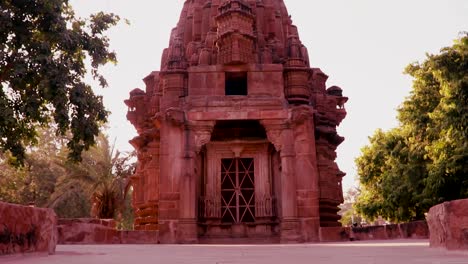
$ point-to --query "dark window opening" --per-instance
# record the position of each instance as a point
(238, 130)
(236, 83)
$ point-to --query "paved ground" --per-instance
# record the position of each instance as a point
(375, 252)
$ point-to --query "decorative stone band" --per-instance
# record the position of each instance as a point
(210, 207)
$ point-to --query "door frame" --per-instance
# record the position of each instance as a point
(258, 150)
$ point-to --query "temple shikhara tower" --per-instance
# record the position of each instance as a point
(237, 132)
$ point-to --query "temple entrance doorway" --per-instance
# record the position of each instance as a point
(237, 190)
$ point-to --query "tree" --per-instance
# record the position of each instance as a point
(448, 151)
(391, 178)
(405, 171)
(97, 186)
(103, 177)
(43, 52)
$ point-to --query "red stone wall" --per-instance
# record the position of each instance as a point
(412, 230)
(448, 224)
(100, 231)
(27, 229)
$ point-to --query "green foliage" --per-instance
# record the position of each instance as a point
(423, 162)
(43, 50)
(390, 174)
(97, 186)
(102, 176)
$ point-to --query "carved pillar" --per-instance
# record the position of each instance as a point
(196, 134)
(308, 179)
(281, 135)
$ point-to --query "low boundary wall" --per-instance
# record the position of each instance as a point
(100, 231)
(412, 230)
(26, 229)
(448, 223)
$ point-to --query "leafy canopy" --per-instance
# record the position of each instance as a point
(98, 186)
(44, 48)
(423, 162)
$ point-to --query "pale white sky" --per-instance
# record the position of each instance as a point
(363, 45)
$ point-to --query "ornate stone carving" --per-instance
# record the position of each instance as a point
(202, 133)
(274, 131)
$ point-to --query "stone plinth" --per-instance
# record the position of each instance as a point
(334, 234)
(87, 231)
(100, 231)
(448, 225)
(27, 229)
(412, 230)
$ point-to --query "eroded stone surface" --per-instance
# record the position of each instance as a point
(27, 229)
(237, 132)
(448, 225)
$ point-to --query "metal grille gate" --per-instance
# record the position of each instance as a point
(237, 190)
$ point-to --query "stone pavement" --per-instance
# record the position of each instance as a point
(367, 252)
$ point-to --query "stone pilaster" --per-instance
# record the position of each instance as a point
(196, 135)
(307, 174)
(171, 161)
(281, 135)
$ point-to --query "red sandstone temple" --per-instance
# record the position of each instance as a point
(236, 133)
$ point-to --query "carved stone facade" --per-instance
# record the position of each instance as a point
(237, 133)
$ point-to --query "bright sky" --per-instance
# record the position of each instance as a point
(363, 45)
